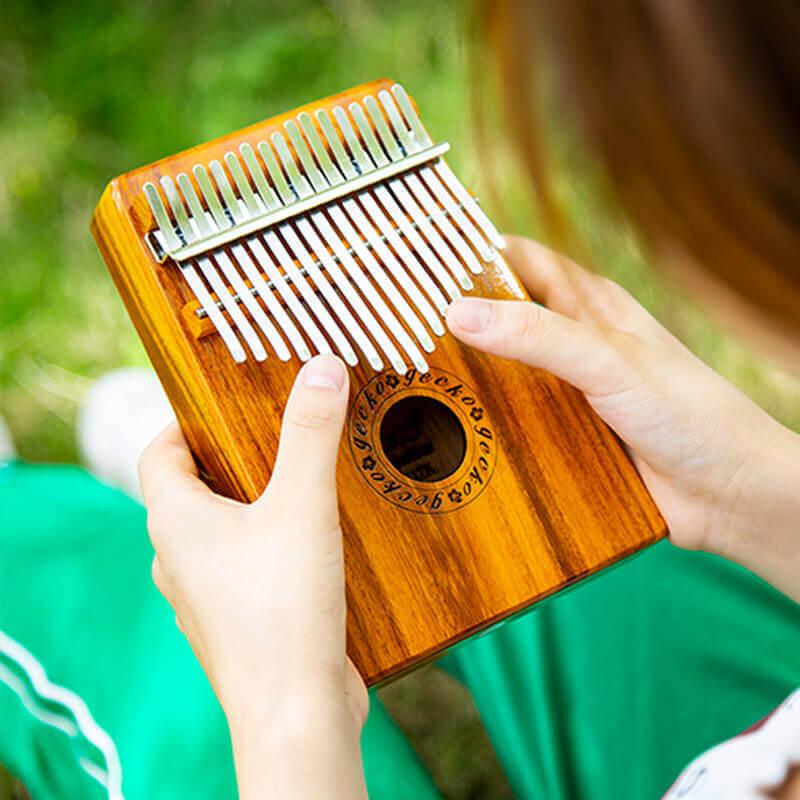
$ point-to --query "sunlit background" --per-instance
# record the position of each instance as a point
(91, 89)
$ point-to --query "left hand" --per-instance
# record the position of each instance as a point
(258, 591)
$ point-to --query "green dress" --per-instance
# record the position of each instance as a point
(604, 692)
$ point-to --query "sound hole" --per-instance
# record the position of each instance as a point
(423, 439)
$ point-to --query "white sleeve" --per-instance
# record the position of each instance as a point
(749, 766)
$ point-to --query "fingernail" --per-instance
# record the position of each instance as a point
(470, 314)
(324, 372)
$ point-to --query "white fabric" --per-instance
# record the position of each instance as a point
(749, 767)
(123, 412)
(60, 708)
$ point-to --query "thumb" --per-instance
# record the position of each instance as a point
(305, 468)
(584, 355)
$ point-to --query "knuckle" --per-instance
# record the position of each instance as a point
(312, 416)
(628, 364)
(612, 292)
(625, 348)
(527, 321)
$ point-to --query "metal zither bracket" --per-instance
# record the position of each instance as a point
(269, 218)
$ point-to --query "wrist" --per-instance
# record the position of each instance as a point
(300, 746)
(763, 530)
(289, 715)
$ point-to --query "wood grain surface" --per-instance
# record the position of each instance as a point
(545, 496)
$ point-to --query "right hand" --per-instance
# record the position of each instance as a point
(719, 467)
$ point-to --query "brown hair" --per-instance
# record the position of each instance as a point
(694, 109)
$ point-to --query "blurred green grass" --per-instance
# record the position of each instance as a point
(90, 90)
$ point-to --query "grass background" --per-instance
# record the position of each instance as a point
(89, 89)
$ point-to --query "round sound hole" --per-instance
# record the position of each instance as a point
(423, 439)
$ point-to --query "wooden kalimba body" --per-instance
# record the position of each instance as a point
(470, 487)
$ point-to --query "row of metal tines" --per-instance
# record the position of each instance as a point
(367, 237)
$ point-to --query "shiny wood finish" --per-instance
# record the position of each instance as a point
(545, 496)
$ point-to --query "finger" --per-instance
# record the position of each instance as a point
(551, 278)
(167, 467)
(312, 427)
(584, 355)
(577, 293)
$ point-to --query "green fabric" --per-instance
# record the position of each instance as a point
(611, 689)
(607, 691)
(75, 592)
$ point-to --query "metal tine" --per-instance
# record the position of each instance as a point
(266, 262)
(330, 170)
(265, 191)
(320, 182)
(335, 142)
(242, 184)
(161, 216)
(221, 219)
(225, 331)
(312, 173)
(332, 175)
(239, 320)
(389, 142)
(262, 289)
(236, 281)
(175, 201)
(444, 224)
(297, 181)
(385, 255)
(411, 117)
(195, 206)
(379, 272)
(434, 183)
(285, 194)
(192, 279)
(310, 297)
(362, 161)
(230, 203)
(398, 272)
(279, 251)
(355, 271)
(365, 129)
(388, 231)
(432, 180)
(211, 274)
(329, 293)
(446, 174)
(470, 203)
(422, 221)
(407, 139)
(378, 216)
(420, 245)
(353, 297)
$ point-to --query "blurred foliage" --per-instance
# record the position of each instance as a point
(89, 90)
(92, 89)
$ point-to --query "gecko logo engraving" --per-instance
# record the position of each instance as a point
(423, 441)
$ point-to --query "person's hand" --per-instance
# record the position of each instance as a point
(725, 475)
(258, 591)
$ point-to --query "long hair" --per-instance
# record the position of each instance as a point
(693, 107)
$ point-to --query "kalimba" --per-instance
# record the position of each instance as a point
(470, 487)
